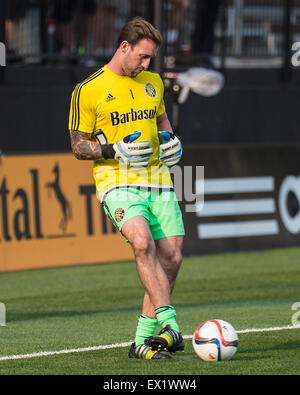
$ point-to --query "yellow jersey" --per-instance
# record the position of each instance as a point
(119, 106)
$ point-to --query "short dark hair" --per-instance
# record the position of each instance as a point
(137, 29)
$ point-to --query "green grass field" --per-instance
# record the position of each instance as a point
(84, 306)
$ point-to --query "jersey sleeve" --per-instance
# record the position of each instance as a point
(82, 113)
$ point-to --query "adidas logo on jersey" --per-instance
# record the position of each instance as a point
(110, 98)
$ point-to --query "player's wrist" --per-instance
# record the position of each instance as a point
(108, 151)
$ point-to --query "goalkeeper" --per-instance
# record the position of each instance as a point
(118, 119)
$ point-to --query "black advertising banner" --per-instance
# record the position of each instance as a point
(248, 197)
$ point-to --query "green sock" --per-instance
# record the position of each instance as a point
(146, 328)
(166, 316)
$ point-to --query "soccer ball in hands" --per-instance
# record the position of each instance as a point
(215, 340)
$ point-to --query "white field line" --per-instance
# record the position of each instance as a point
(127, 344)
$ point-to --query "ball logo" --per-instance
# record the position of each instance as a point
(225, 329)
(150, 90)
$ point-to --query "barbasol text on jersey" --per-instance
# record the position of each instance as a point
(132, 116)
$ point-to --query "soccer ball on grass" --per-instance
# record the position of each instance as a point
(215, 340)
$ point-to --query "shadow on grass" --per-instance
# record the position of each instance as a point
(35, 315)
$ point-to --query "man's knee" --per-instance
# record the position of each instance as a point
(143, 244)
(172, 256)
(171, 262)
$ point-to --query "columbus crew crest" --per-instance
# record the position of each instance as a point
(150, 90)
(119, 214)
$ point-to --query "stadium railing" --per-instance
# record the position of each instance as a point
(86, 31)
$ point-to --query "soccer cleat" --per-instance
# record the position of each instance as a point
(167, 339)
(144, 352)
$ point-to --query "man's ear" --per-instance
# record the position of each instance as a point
(124, 46)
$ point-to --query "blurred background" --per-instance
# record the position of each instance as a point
(53, 44)
(86, 30)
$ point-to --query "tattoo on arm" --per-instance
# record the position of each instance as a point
(83, 147)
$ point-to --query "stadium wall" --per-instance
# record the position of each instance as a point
(255, 106)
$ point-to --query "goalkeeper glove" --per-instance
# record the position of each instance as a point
(127, 152)
(170, 150)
